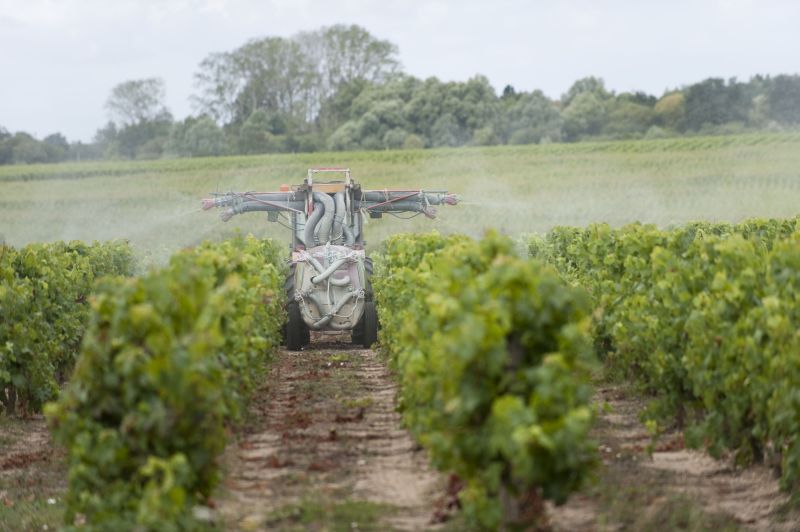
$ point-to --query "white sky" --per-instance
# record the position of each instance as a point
(59, 59)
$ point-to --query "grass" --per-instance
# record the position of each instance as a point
(633, 508)
(31, 514)
(155, 204)
(325, 514)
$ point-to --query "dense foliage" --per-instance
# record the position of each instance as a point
(705, 318)
(168, 360)
(341, 88)
(491, 352)
(43, 292)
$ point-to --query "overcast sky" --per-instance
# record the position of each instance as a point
(59, 59)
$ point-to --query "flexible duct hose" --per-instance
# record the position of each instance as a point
(344, 281)
(327, 273)
(327, 218)
(311, 223)
(252, 206)
(338, 217)
(315, 263)
(323, 321)
(349, 237)
(357, 226)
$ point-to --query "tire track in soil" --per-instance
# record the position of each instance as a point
(750, 498)
(325, 426)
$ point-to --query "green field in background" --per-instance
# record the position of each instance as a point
(155, 204)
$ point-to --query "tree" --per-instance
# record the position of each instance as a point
(670, 110)
(257, 135)
(345, 137)
(532, 118)
(783, 98)
(638, 97)
(627, 118)
(395, 138)
(196, 137)
(584, 116)
(477, 105)
(485, 136)
(509, 93)
(715, 102)
(105, 139)
(590, 85)
(449, 113)
(294, 77)
(336, 109)
(143, 140)
(346, 54)
(142, 121)
(5, 146)
(137, 101)
(377, 115)
(446, 132)
(272, 74)
(56, 146)
(27, 150)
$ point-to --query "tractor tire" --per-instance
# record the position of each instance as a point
(368, 268)
(370, 324)
(296, 331)
(357, 333)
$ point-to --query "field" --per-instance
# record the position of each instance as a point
(516, 190)
(492, 357)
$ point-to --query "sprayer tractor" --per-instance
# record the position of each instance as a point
(328, 285)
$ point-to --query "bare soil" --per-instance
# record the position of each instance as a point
(32, 476)
(324, 449)
(325, 444)
(672, 488)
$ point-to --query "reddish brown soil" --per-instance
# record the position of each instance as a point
(326, 427)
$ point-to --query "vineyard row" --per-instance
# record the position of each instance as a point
(168, 362)
(705, 318)
(492, 353)
(492, 356)
(43, 304)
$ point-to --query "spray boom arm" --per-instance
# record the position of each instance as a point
(371, 201)
(329, 211)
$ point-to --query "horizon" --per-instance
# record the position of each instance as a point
(86, 48)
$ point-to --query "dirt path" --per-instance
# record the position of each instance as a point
(32, 476)
(674, 489)
(325, 450)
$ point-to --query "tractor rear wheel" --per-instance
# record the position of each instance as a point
(369, 323)
(357, 333)
(296, 331)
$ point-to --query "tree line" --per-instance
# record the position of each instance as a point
(341, 88)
